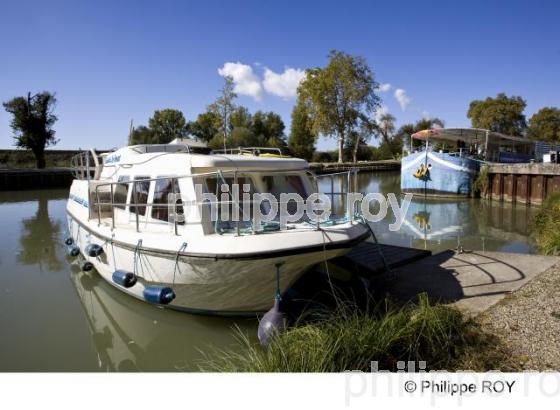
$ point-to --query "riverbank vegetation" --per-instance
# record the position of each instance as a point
(545, 226)
(350, 339)
(482, 182)
(24, 159)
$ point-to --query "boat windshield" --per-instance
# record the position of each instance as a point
(227, 212)
(276, 185)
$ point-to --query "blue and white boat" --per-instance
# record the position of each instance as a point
(449, 159)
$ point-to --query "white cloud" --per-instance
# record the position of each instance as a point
(383, 87)
(246, 82)
(402, 98)
(380, 112)
(283, 84)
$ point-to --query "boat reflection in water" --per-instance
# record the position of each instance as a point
(439, 224)
(129, 335)
(468, 225)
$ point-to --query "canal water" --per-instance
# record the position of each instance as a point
(53, 317)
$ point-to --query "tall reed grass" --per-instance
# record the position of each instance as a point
(350, 339)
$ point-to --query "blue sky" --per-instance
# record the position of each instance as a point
(109, 62)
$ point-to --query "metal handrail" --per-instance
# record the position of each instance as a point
(235, 201)
(82, 167)
(352, 172)
(247, 150)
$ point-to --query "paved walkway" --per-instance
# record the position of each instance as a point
(473, 281)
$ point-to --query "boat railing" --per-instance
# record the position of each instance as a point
(86, 165)
(102, 198)
(249, 150)
(348, 183)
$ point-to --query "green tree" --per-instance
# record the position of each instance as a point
(337, 94)
(391, 144)
(258, 127)
(360, 135)
(302, 135)
(385, 126)
(501, 114)
(166, 125)
(274, 127)
(545, 125)
(357, 148)
(240, 128)
(268, 129)
(242, 137)
(207, 125)
(32, 123)
(141, 135)
(240, 118)
(217, 141)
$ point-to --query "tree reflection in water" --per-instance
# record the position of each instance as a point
(39, 239)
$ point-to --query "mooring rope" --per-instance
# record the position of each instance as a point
(78, 235)
(136, 250)
(378, 245)
(325, 261)
(181, 249)
(113, 251)
(278, 265)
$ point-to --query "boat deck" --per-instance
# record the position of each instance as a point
(365, 259)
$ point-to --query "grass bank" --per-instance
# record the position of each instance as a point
(348, 339)
(14, 159)
(545, 226)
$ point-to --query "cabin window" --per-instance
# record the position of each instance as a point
(226, 222)
(277, 184)
(139, 197)
(160, 205)
(287, 184)
(121, 192)
(214, 184)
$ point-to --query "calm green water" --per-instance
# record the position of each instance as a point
(55, 318)
(439, 225)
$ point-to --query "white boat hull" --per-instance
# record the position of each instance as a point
(206, 285)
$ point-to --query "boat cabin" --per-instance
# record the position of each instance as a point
(480, 144)
(176, 187)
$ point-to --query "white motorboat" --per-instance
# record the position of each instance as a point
(125, 220)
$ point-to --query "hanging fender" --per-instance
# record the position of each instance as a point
(93, 250)
(73, 250)
(158, 294)
(124, 278)
(86, 266)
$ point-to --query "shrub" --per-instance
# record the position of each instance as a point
(481, 183)
(545, 226)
